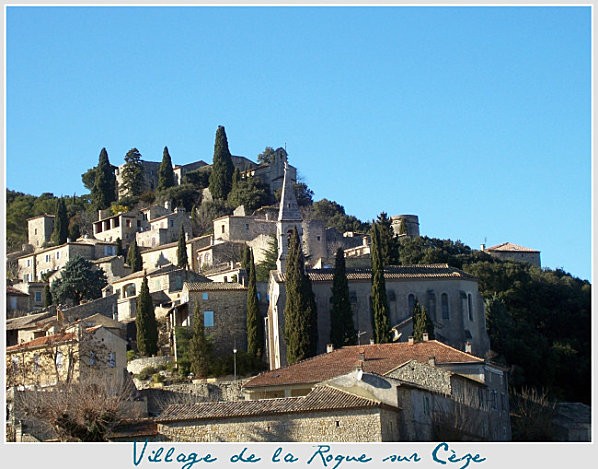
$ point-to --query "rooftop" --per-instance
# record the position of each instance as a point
(510, 247)
(379, 359)
(321, 398)
(213, 286)
(432, 271)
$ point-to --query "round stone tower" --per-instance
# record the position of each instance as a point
(405, 225)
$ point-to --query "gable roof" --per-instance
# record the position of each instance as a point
(46, 340)
(10, 290)
(510, 247)
(432, 271)
(321, 398)
(30, 320)
(379, 359)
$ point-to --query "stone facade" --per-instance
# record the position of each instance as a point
(514, 253)
(167, 253)
(223, 307)
(40, 230)
(451, 299)
(122, 226)
(164, 229)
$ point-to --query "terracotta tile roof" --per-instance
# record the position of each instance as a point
(10, 290)
(47, 340)
(510, 247)
(320, 399)
(379, 358)
(213, 286)
(390, 272)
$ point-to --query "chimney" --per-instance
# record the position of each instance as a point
(329, 348)
(425, 336)
(468, 347)
(432, 361)
(482, 247)
(410, 342)
(372, 342)
(362, 355)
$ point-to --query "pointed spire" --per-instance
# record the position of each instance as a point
(289, 209)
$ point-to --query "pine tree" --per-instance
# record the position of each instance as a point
(379, 302)
(132, 174)
(255, 325)
(165, 172)
(103, 192)
(299, 311)
(145, 320)
(421, 323)
(134, 257)
(199, 347)
(342, 329)
(181, 251)
(79, 281)
(222, 167)
(61, 223)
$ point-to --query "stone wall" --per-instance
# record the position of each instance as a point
(333, 426)
(424, 375)
(105, 305)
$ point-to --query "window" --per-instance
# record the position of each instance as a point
(204, 296)
(58, 255)
(410, 303)
(208, 319)
(470, 306)
(38, 296)
(35, 231)
(111, 359)
(128, 223)
(58, 360)
(28, 262)
(432, 305)
(223, 229)
(444, 304)
(318, 238)
(47, 257)
(171, 223)
(246, 226)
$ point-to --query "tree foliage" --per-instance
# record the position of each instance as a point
(132, 174)
(342, 328)
(249, 192)
(267, 156)
(379, 301)
(165, 172)
(203, 216)
(421, 323)
(299, 310)
(61, 224)
(134, 259)
(103, 190)
(333, 215)
(255, 324)
(79, 281)
(222, 167)
(389, 242)
(200, 348)
(181, 252)
(145, 320)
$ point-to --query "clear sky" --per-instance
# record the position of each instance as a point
(476, 119)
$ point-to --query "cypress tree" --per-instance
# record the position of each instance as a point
(145, 320)
(246, 258)
(119, 247)
(132, 174)
(181, 250)
(61, 223)
(299, 311)
(47, 296)
(389, 243)
(342, 329)
(134, 257)
(222, 167)
(199, 347)
(165, 172)
(379, 302)
(103, 192)
(421, 323)
(255, 326)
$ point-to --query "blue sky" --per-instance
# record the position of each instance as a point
(476, 119)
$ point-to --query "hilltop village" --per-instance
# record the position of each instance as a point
(185, 321)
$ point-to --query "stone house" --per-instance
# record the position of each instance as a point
(16, 301)
(434, 384)
(111, 227)
(223, 309)
(513, 252)
(168, 253)
(40, 229)
(34, 292)
(327, 413)
(165, 284)
(164, 228)
(32, 266)
(450, 296)
(113, 266)
(72, 354)
(25, 328)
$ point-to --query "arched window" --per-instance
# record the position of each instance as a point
(470, 306)
(411, 303)
(444, 304)
(129, 290)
